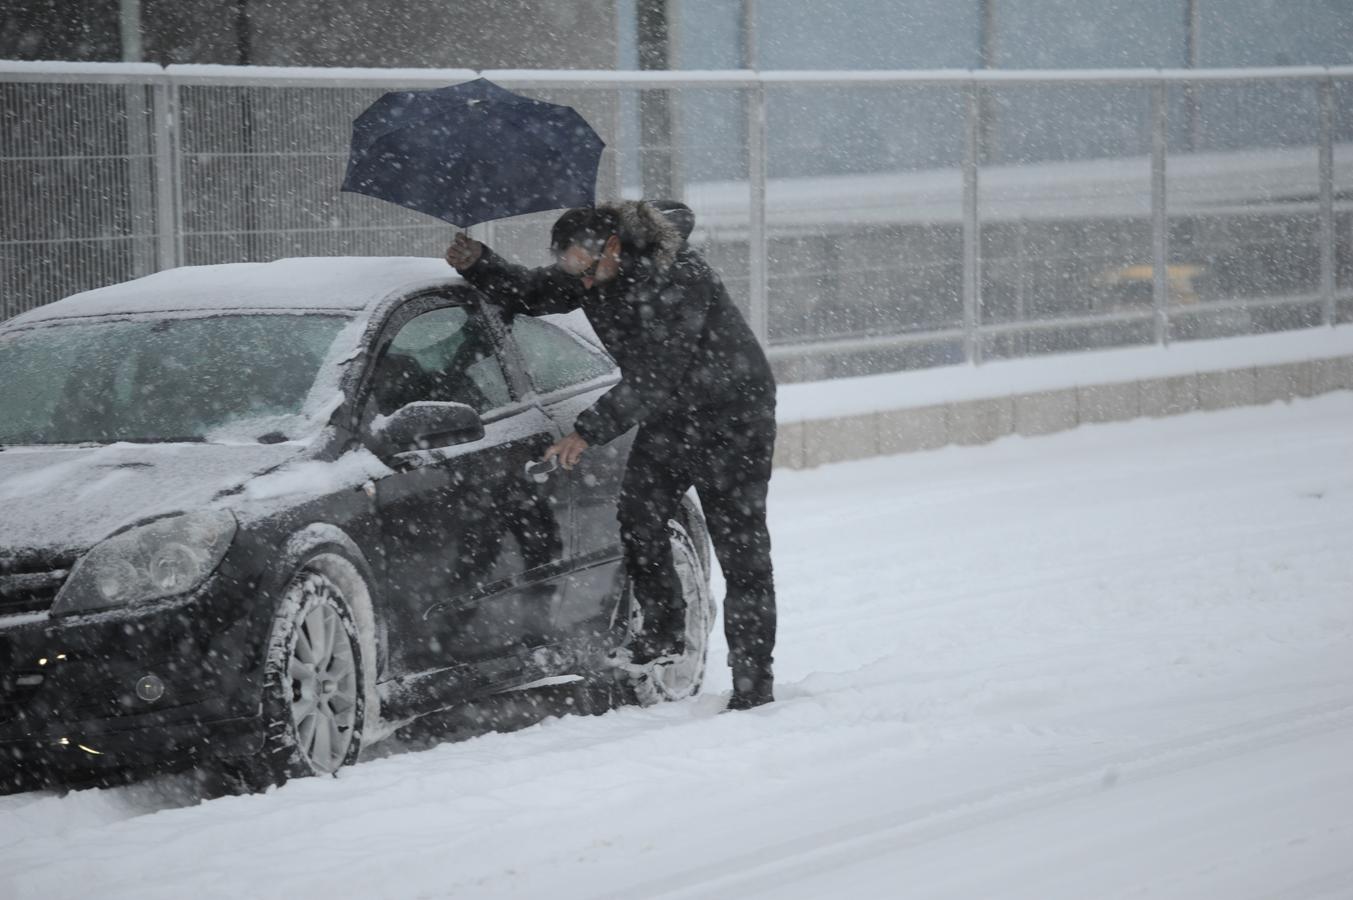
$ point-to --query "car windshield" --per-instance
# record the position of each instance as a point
(226, 378)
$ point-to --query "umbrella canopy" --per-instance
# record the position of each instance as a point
(472, 153)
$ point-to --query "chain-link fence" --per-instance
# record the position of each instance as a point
(865, 221)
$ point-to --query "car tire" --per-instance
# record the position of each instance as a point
(314, 691)
(681, 679)
(693, 520)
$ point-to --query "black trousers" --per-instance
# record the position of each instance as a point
(728, 461)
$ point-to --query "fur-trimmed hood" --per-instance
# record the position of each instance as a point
(645, 232)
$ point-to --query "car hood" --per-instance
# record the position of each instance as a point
(62, 499)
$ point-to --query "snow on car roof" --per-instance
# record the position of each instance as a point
(340, 282)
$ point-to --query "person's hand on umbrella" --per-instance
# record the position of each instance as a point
(464, 252)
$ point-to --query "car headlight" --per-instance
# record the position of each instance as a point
(166, 557)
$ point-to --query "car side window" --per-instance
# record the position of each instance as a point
(554, 359)
(444, 355)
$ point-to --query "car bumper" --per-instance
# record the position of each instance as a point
(68, 685)
(133, 742)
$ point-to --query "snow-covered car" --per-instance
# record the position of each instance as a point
(263, 514)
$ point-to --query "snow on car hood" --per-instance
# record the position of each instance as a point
(71, 498)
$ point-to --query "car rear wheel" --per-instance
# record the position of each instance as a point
(693, 520)
(682, 678)
(314, 696)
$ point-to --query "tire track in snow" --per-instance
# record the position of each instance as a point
(1331, 886)
(784, 863)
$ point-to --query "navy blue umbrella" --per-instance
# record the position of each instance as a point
(473, 152)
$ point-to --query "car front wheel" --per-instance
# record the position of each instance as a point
(314, 701)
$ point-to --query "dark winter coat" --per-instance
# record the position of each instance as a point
(683, 348)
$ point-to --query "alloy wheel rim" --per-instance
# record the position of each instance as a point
(323, 675)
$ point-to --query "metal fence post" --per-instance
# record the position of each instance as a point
(140, 180)
(1160, 224)
(757, 249)
(168, 195)
(972, 257)
(1327, 199)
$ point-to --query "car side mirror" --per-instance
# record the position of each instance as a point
(426, 425)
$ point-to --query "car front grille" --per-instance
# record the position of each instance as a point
(29, 582)
(26, 592)
(15, 690)
(18, 683)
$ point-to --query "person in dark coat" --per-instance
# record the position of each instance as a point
(695, 382)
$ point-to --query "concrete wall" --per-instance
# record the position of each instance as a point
(817, 441)
(476, 34)
(473, 34)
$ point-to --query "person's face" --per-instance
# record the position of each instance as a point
(592, 268)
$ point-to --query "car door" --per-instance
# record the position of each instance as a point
(475, 547)
(568, 374)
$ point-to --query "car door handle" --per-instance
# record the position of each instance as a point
(541, 471)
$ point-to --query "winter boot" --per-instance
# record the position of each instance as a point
(665, 641)
(645, 649)
(753, 684)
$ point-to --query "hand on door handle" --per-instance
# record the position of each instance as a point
(569, 449)
(540, 471)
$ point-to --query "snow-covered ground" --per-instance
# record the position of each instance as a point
(1115, 662)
